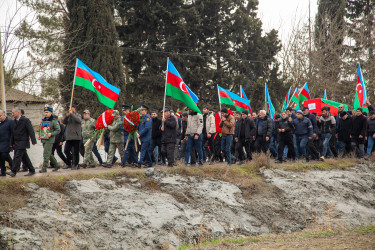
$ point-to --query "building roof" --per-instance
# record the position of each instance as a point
(15, 95)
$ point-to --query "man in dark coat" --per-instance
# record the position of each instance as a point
(6, 129)
(156, 137)
(243, 136)
(168, 136)
(285, 134)
(263, 132)
(343, 133)
(20, 140)
(358, 132)
(311, 149)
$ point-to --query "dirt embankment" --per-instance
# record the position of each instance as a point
(164, 210)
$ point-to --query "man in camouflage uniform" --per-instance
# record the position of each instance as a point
(88, 129)
(116, 138)
(54, 130)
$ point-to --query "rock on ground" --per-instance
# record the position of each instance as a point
(98, 214)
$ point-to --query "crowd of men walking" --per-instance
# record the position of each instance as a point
(193, 137)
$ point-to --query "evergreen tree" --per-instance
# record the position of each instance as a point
(209, 41)
(91, 37)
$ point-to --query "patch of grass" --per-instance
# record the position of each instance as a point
(14, 194)
(318, 165)
(224, 241)
(364, 230)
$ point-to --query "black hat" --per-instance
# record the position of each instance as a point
(224, 110)
(74, 106)
(125, 107)
(277, 116)
(343, 113)
(304, 108)
(360, 109)
(372, 112)
(245, 112)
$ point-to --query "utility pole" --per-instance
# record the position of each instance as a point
(2, 79)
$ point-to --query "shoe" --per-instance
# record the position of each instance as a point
(31, 173)
(56, 168)
(83, 165)
(321, 158)
(147, 165)
(23, 170)
(74, 167)
(91, 166)
(108, 165)
(11, 173)
(239, 163)
(67, 166)
(43, 170)
(3, 174)
(139, 165)
(305, 160)
(278, 161)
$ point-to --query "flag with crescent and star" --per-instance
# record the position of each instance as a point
(360, 92)
(89, 79)
(176, 88)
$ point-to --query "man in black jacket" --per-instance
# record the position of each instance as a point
(312, 152)
(20, 140)
(263, 132)
(358, 132)
(343, 133)
(245, 130)
(168, 136)
(285, 129)
(156, 137)
(6, 130)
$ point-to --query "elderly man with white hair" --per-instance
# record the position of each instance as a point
(6, 127)
(20, 141)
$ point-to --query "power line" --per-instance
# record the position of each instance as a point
(139, 49)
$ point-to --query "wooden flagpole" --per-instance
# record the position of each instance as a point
(74, 79)
(165, 89)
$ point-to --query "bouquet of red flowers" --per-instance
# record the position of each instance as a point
(131, 121)
(105, 119)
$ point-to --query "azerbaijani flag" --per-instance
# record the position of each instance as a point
(176, 88)
(242, 93)
(295, 99)
(361, 93)
(89, 79)
(286, 100)
(243, 96)
(229, 98)
(271, 108)
(305, 94)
